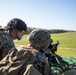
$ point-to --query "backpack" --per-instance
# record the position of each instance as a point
(14, 61)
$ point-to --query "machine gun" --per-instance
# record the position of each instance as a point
(57, 61)
(54, 59)
(53, 47)
(52, 56)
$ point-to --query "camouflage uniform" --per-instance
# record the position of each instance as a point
(6, 40)
(41, 64)
(6, 43)
(18, 60)
(41, 39)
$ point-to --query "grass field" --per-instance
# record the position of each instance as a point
(67, 46)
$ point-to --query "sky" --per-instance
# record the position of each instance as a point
(47, 14)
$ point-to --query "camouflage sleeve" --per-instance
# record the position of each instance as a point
(0, 42)
(41, 63)
(6, 43)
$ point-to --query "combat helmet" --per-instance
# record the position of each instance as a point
(16, 23)
(39, 38)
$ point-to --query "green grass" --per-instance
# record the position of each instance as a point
(67, 53)
(67, 46)
(67, 40)
(23, 41)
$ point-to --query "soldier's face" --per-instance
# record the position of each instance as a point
(19, 35)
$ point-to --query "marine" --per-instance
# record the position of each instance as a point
(29, 60)
(13, 30)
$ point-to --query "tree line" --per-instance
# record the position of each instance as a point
(51, 31)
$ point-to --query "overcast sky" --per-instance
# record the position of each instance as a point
(48, 14)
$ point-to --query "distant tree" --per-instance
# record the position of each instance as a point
(52, 31)
(57, 31)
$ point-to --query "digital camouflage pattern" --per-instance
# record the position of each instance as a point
(41, 63)
(17, 61)
(6, 43)
(40, 38)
